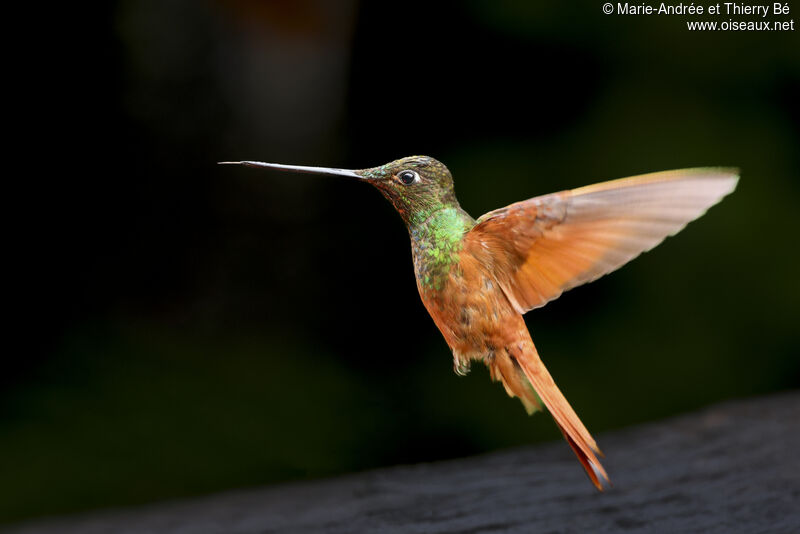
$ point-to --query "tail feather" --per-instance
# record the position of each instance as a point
(593, 469)
(544, 390)
(505, 368)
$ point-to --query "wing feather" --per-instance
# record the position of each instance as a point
(546, 245)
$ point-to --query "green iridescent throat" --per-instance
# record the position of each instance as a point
(436, 240)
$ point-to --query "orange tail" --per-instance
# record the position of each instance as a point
(525, 358)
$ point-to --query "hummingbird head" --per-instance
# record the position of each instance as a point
(417, 186)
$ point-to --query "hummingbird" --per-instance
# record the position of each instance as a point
(477, 278)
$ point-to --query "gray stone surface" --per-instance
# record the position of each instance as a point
(733, 467)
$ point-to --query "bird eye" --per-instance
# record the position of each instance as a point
(408, 177)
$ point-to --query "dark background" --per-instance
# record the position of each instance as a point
(186, 328)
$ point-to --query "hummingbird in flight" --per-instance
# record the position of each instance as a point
(478, 277)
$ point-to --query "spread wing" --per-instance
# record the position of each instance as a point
(541, 247)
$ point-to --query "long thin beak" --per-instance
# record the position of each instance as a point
(329, 171)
